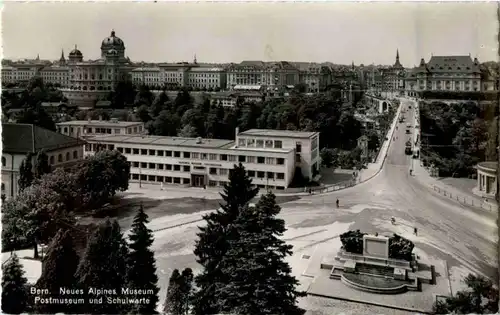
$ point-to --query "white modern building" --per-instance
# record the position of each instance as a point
(90, 128)
(269, 157)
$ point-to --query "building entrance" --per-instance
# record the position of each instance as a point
(198, 180)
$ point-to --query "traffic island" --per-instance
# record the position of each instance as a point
(380, 270)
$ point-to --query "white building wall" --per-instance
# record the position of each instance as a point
(304, 159)
(213, 160)
(10, 170)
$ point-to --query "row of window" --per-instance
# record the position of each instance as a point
(60, 158)
(186, 181)
(189, 155)
(100, 130)
(211, 170)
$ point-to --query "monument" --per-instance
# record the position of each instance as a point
(378, 264)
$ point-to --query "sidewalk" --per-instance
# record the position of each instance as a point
(373, 169)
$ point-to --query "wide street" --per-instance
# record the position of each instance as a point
(465, 238)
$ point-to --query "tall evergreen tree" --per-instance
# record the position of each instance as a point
(103, 266)
(59, 267)
(186, 288)
(174, 299)
(26, 172)
(142, 265)
(257, 279)
(14, 291)
(41, 164)
(213, 238)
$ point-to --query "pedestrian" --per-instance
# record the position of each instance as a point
(415, 231)
(161, 186)
(337, 202)
(310, 191)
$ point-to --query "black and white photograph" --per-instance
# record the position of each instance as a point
(250, 157)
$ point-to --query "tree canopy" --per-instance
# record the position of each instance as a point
(212, 243)
(142, 264)
(481, 297)
(14, 287)
(456, 137)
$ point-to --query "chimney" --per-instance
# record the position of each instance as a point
(236, 132)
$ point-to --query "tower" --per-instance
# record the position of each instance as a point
(62, 60)
(397, 64)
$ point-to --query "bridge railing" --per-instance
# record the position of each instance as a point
(465, 200)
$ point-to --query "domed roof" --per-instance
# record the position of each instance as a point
(112, 41)
(75, 52)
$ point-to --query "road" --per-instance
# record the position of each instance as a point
(465, 238)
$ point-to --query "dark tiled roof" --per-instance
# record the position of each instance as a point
(459, 64)
(24, 138)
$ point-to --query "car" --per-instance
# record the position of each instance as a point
(407, 131)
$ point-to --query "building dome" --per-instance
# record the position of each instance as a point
(112, 41)
(75, 52)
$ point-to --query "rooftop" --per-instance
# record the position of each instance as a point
(99, 123)
(24, 138)
(166, 141)
(278, 133)
(206, 69)
(489, 165)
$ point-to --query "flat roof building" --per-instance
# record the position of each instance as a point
(206, 162)
(90, 128)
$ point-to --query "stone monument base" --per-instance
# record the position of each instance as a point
(378, 275)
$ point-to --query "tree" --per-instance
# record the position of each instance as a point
(26, 172)
(188, 131)
(174, 299)
(257, 279)
(102, 175)
(36, 116)
(179, 292)
(142, 268)
(14, 292)
(59, 267)
(327, 157)
(37, 214)
(187, 288)
(212, 242)
(41, 164)
(103, 266)
(480, 298)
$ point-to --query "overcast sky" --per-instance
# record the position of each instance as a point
(231, 32)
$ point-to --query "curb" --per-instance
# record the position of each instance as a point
(176, 225)
(394, 307)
